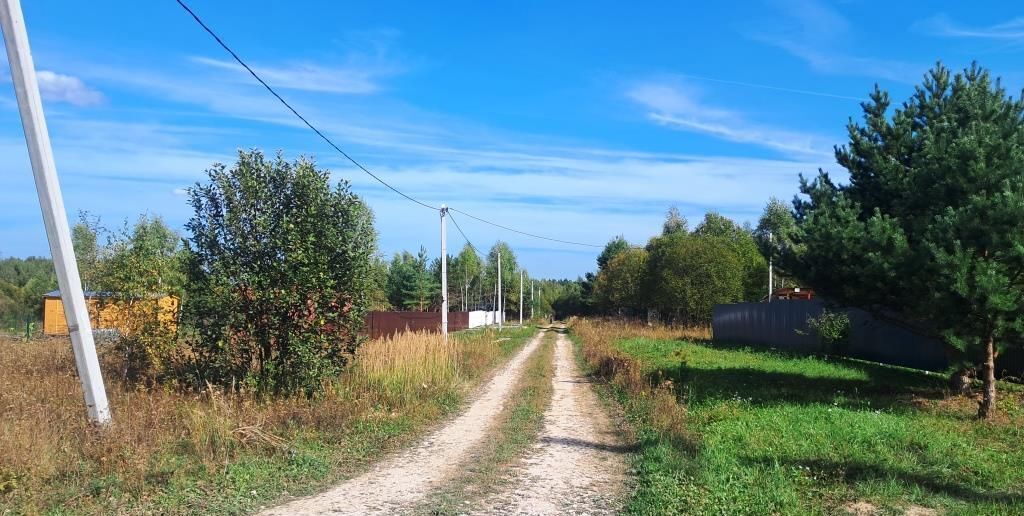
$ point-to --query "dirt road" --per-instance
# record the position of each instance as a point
(577, 465)
(397, 484)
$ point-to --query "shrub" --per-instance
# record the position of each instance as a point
(280, 274)
(832, 330)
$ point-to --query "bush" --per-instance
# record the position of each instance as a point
(280, 273)
(832, 330)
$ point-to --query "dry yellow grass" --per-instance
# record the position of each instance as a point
(598, 340)
(52, 457)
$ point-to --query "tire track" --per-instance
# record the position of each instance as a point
(578, 465)
(397, 484)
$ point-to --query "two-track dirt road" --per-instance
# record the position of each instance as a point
(577, 465)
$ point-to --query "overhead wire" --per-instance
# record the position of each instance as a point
(333, 145)
(506, 228)
(463, 233)
(293, 110)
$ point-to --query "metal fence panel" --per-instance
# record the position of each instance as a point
(782, 324)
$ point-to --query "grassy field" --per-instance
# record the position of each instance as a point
(726, 430)
(211, 452)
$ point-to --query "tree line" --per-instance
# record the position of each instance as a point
(928, 228)
(678, 276)
(413, 281)
(275, 270)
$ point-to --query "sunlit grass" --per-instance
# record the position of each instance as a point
(773, 433)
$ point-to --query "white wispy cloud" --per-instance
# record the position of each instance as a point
(119, 167)
(66, 88)
(821, 36)
(346, 79)
(55, 87)
(676, 104)
(941, 25)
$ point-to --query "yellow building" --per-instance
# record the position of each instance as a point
(107, 312)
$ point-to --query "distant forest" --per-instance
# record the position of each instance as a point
(23, 281)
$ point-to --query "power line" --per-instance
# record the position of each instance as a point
(290, 108)
(342, 152)
(464, 237)
(506, 228)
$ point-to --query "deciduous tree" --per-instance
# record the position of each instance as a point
(279, 273)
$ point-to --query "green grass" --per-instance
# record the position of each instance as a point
(781, 434)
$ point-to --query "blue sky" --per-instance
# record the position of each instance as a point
(578, 120)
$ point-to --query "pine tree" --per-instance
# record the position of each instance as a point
(929, 226)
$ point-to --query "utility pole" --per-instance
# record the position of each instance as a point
(520, 298)
(501, 310)
(51, 202)
(444, 275)
(532, 283)
(771, 251)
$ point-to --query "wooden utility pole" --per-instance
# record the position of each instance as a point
(55, 219)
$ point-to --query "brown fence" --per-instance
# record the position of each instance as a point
(384, 324)
(782, 324)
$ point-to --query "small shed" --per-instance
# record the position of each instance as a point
(109, 312)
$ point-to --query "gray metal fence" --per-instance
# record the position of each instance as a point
(782, 324)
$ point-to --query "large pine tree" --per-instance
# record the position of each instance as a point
(931, 223)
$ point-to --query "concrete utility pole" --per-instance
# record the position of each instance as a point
(55, 219)
(532, 283)
(501, 310)
(771, 244)
(444, 274)
(520, 297)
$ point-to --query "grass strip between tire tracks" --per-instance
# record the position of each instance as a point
(518, 427)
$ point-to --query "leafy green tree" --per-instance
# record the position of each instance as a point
(143, 261)
(85, 240)
(741, 240)
(280, 271)
(509, 273)
(378, 295)
(465, 275)
(23, 281)
(674, 223)
(929, 226)
(566, 298)
(138, 266)
(774, 235)
(620, 286)
(614, 247)
(689, 275)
